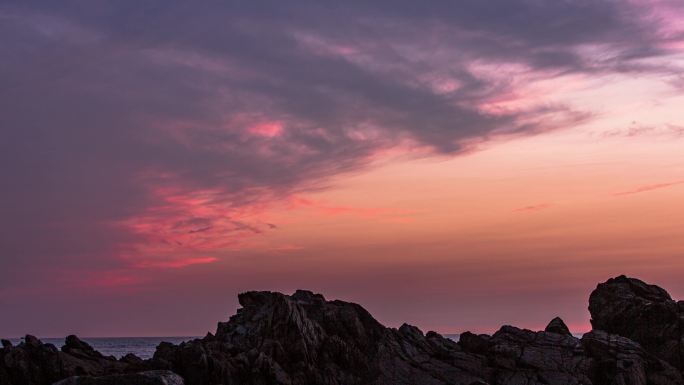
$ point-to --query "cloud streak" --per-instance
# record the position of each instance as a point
(649, 187)
(533, 208)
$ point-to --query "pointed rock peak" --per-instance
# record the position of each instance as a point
(557, 326)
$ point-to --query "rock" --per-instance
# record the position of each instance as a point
(473, 343)
(619, 360)
(643, 313)
(155, 377)
(131, 358)
(30, 362)
(304, 339)
(34, 363)
(519, 356)
(557, 326)
(81, 349)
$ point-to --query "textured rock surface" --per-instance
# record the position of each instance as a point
(303, 339)
(641, 312)
(619, 360)
(154, 377)
(518, 356)
(33, 362)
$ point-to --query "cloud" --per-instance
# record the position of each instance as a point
(649, 187)
(538, 207)
(638, 130)
(178, 263)
(165, 128)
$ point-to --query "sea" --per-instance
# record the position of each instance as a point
(118, 347)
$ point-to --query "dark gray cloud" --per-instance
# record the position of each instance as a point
(105, 104)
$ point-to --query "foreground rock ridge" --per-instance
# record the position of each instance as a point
(303, 339)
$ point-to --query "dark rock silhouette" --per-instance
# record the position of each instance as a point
(154, 377)
(303, 339)
(619, 360)
(33, 362)
(558, 326)
(643, 313)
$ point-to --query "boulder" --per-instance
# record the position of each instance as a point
(641, 312)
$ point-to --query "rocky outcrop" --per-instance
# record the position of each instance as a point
(34, 362)
(304, 339)
(618, 360)
(643, 313)
(154, 377)
(558, 326)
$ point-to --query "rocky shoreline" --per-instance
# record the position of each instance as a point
(303, 339)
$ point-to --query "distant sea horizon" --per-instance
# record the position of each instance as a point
(118, 347)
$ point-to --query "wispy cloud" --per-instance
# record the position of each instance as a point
(649, 187)
(638, 130)
(177, 263)
(533, 208)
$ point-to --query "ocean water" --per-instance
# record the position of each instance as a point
(118, 347)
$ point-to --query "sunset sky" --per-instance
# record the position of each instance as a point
(456, 165)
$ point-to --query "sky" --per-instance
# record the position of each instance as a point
(456, 165)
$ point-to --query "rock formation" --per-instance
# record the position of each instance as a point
(303, 339)
(33, 362)
(643, 313)
(153, 377)
(558, 326)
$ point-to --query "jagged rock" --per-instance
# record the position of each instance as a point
(303, 339)
(557, 326)
(33, 362)
(30, 362)
(519, 356)
(641, 312)
(155, 377)
(619, 360)
(474, 343)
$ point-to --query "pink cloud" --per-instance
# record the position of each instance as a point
(177, 263)
(363, 212)
(266, 129)
(649, 187)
